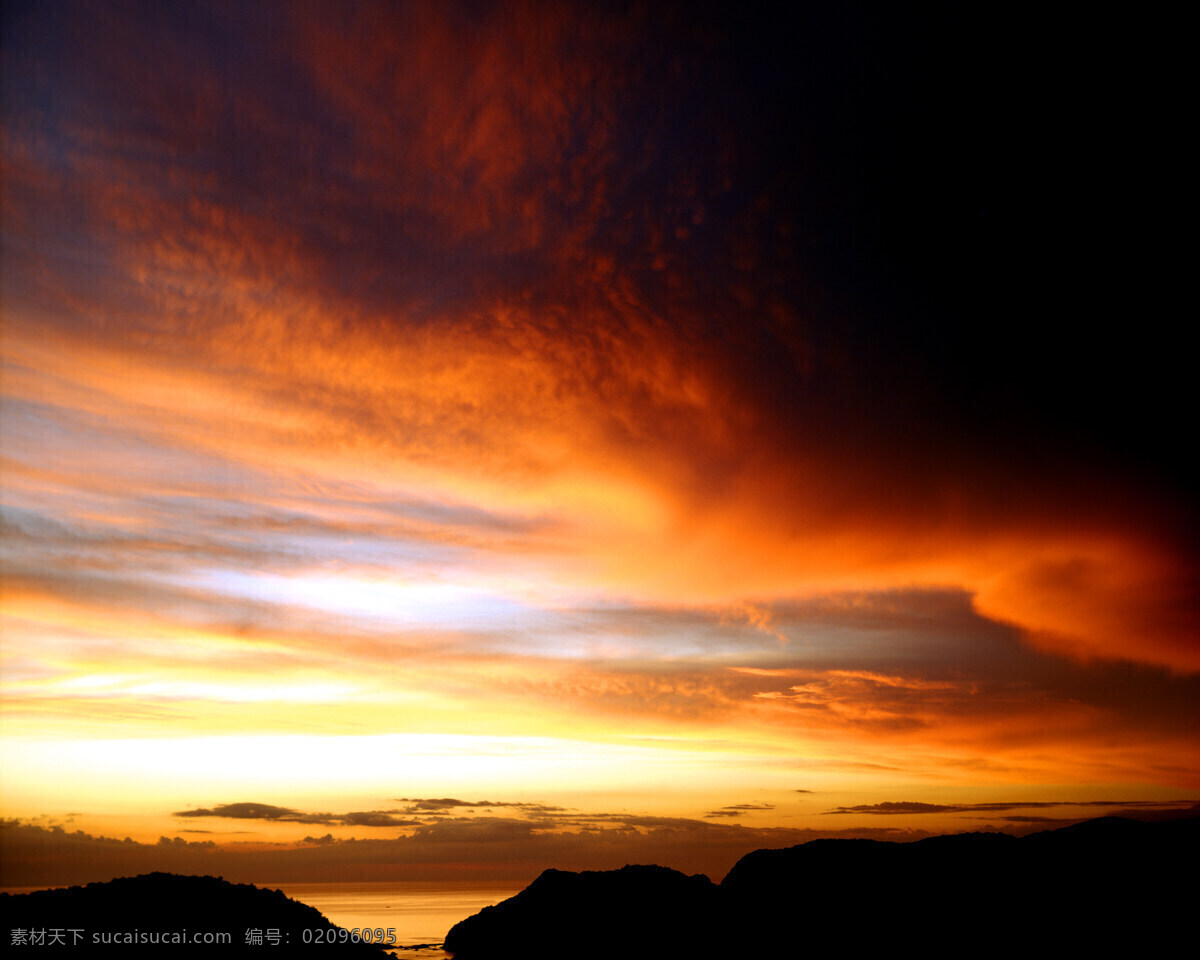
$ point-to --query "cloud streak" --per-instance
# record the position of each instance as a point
(265, 811)
(904, 807)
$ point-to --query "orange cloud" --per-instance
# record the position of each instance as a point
(520, 300)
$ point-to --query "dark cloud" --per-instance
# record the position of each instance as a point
(179, 842)
(264, 811)
(893, 664)
(1147, 812)
(242, 811)
(430, 812)
(474, 830)
(440, 804)
(447, 803)
(910, 807)
(375, 818)
(652, 166)
(739, 809)
(500, 849)
(1034, 819)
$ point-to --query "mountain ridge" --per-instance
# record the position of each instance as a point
(1095, 887)
(153, 911)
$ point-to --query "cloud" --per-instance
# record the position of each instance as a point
(499, 848)
(449, 803)
(513, 368)
(910, 807)
(325, 840)
(475, 830)
(918, 671)
(375, 818)
(1036, 819)
(241, 811)
(439, 806)
(507, 850)
(263, 811)
(588, 372)
(739, 809)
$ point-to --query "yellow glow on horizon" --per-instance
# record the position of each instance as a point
(290, 770)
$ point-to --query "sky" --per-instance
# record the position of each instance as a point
(449, 440)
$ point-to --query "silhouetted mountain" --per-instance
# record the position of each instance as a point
(155, 908)
(1104, 887)
(635, 911)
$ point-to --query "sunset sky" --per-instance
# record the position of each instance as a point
(516, 435)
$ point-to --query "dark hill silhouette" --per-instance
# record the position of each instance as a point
(635, 911)
(1103, 888)
(158, 903)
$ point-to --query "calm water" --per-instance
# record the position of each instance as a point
(420, 912)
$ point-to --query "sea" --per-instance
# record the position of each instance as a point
(420, 912)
